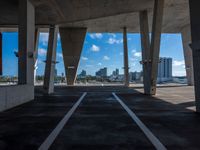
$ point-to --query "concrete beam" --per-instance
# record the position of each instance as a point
(126, 67)
(26, 42)
(51, 60)
(186, 39)
(72, 40)
(145, 43)
(195, 32)
(1, 56)
(155, 42)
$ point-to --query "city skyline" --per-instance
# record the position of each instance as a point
(100, 50)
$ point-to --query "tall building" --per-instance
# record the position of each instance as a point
(164, 70)
(102, 72)
(135, 76)
(116, 72)
(55, 72)
(82, 74)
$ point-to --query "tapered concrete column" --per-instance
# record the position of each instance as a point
(51, 60)
(26, 42)
(145, 43)
(186, 39)
(126, 67)
(1, 56)
(37, 35)
(155, 42)
(72, 40)
(195, 32)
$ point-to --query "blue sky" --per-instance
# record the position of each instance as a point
(99, 50)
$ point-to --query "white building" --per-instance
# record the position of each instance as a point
(164, 70)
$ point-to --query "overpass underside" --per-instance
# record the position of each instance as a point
(73, 19)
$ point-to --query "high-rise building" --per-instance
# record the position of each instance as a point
(82, 74)
(55, 72)
(102, 72)
(164, 69)
(135, 76)
(116, 72)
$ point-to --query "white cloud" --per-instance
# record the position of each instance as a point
(179, 72)
(60, 55)
(137, 54)
(106, 58)
(96, 35)
(84, 58)
(58, 36)
(113, 35)
(133, 51)
(178, 63)
(114, 41)
(99, 64)
(42, 52)
(89, 66)
(95, 48)
(44, 38)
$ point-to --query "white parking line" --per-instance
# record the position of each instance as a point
(154, 140)
(50, 139)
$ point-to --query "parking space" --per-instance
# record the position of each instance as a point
(100, 121)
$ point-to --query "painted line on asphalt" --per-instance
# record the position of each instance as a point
(50, 139)
(154, 140)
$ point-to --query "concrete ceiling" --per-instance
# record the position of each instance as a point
(97, 15)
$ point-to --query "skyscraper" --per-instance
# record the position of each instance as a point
(115, 72)
(164, 69)
(102, 72)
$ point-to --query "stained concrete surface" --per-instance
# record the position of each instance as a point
(100, 122)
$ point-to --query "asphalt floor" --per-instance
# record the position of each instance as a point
(100, 122)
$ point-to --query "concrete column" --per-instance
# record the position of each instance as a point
(72, 40)
(37, 35)
(186, 39)
(155, 42)
(145, 43)
(51, 60)
(195, 32)
(126, 67)
(26, 42)
(1, 56)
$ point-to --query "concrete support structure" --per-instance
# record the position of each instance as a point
(37, 35)
(51, 60)
(186, 39)
(126, 67)
(72, 40)
(11, 96)
(1, 56)
(155, 42)
(26, 42)
(195, 32)
(145, 43)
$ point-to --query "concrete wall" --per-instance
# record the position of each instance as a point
(11, 96)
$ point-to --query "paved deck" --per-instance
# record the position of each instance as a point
(100, 122)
